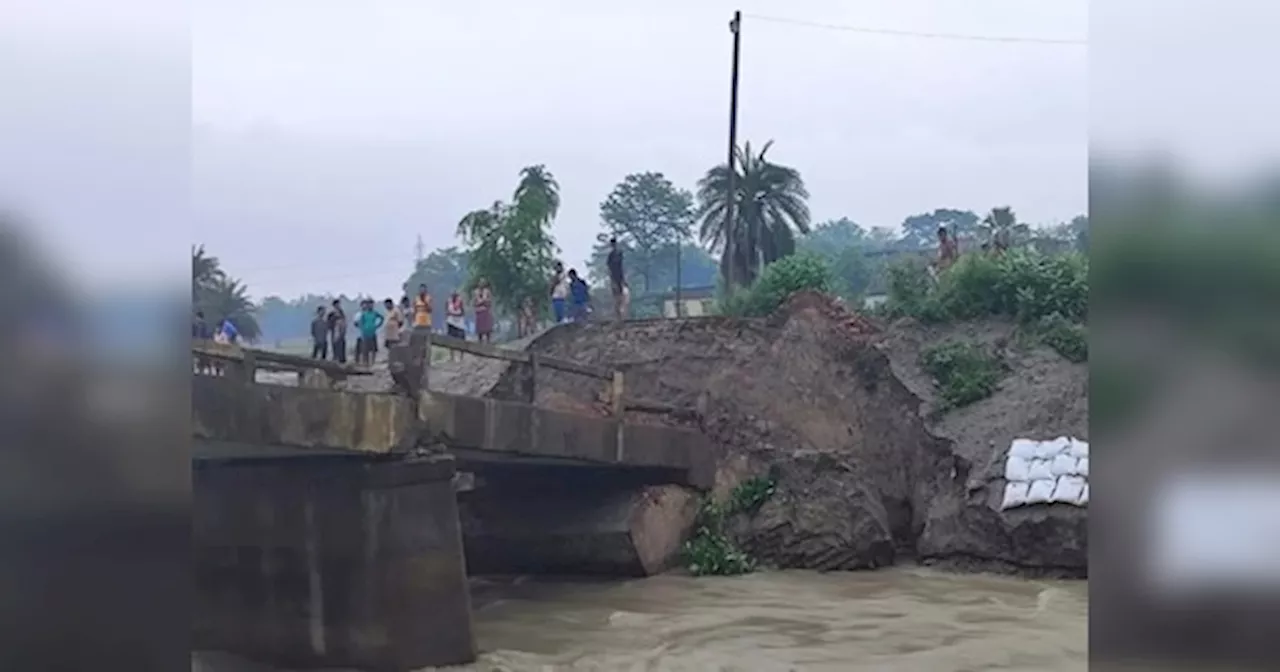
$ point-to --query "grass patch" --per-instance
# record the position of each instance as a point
(1069, 339)
(963, 372)
(710, 551)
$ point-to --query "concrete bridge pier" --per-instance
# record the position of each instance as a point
(574, 521)
(331, 562)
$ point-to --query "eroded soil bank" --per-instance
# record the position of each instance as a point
(837, 409)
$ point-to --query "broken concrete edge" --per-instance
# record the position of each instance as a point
(522, 429)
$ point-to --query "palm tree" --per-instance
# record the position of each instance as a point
(225, 298)
(205, 270)
(538, 193)
(769, 209)
(1003, 227)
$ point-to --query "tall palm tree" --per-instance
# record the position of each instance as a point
(1003, 227)
(228, 299)
(205, 270)
(769, 209)
(538, 193)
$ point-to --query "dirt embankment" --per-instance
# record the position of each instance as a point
(837, 409)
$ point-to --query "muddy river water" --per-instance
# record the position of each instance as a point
(901, 619)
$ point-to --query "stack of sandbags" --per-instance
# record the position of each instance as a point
(1046, 472)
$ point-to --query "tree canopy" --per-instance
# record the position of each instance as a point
(921, 231)
(510, 244)
(649, 216)
(770, 207)
(221, 297)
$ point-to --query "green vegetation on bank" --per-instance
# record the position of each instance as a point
(776, 283)
(1047, 294)
(711, 551)
(965, 372)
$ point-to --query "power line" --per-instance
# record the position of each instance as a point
(919, 34)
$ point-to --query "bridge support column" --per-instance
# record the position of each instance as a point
(310, 563)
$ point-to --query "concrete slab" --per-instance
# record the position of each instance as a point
(227, 410)
(523, 431)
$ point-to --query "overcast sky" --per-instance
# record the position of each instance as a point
(330, 134)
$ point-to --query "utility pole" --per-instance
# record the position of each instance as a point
(420, 249)
(735, 26)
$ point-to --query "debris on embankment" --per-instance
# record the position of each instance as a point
(837, 409)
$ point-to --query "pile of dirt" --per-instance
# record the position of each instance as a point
(836, 408)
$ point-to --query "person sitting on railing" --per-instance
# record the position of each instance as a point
(200, 332)
(229, 331)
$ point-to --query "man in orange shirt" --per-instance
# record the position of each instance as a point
(422, 309)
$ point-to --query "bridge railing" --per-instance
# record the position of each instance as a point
(212, 358)
(614, 381)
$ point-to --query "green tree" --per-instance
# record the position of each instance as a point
(770, 207)
(205, 270)
(220, 297)
(1001, 224)
(443, 270)
(648, 215)
(538, 193)
(831, 237)
(851, 272)
(697, 268)
(921, 231)
(511, 244)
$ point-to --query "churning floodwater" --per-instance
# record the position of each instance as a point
(899, 620)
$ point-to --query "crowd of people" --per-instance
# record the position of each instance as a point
(570, 302)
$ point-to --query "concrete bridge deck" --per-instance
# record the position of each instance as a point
(231, 420)
(329, 532)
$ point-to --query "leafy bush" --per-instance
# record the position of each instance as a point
(909, 286)
(1069, 339)
(777, 282)
(964, 372)
(710, 551)
(1024, 284)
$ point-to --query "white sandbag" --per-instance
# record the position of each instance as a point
(1040, 470)
(1017, 469)
(1079, 448)
(1047, 450)
(1082, 467)
(1024, 448)
(1067, 490)
(1063, 465)
(1015, 494)
(1040, 492)
(1083, 500)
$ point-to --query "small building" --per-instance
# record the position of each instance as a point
(693, 302)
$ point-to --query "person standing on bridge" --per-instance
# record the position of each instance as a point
(580, 296)
(393, 326)
(482, 302)
(422, 308)
(559, 293)
(617, 280)
(455, 322)
(369, 322)
(319, 335)
(337, 320)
